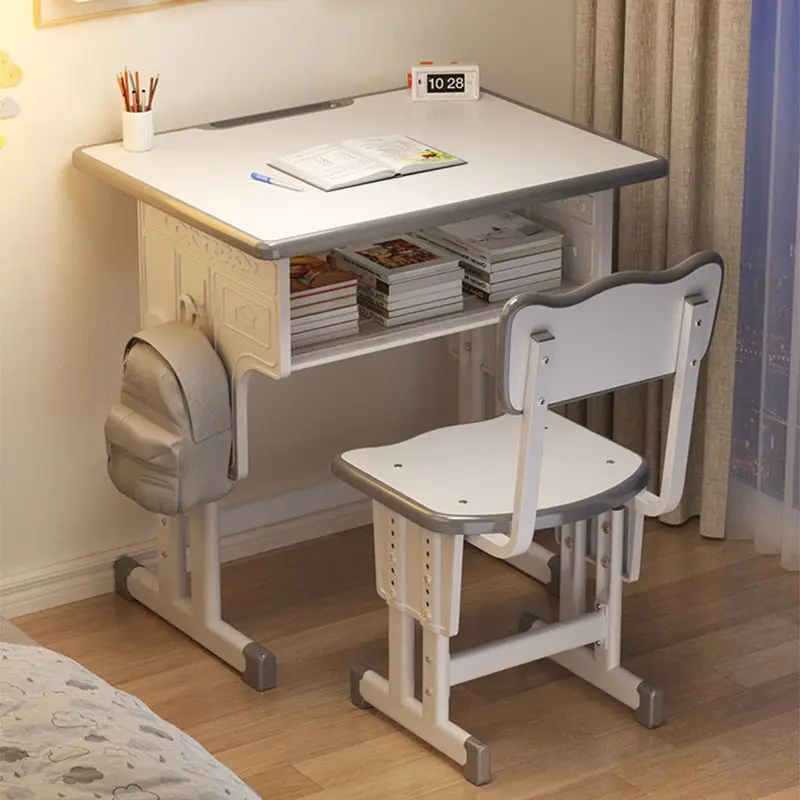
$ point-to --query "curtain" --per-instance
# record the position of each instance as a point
(764, 501)
(671, 76)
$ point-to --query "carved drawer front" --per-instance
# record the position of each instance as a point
(238, 298)
(246, 325)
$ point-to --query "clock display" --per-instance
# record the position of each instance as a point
(446, 83)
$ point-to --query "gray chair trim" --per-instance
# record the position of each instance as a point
(587, 291)
(466, 525)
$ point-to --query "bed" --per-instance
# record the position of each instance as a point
(65, 734)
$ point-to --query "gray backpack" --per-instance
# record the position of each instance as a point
(169, 437)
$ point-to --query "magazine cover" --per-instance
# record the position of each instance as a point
(318, 272)
(499, 232)
(399, 258)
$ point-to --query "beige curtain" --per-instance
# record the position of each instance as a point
(671, 76)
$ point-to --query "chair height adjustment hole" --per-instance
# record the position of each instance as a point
(610, 461)
(462, 502)
(398, 466)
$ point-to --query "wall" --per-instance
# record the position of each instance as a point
(68, 277)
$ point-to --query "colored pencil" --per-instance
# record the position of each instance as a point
(153, 93)
(135, 97)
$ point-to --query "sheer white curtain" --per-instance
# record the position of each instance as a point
(764, 496)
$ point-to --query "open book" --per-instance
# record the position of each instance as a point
(356, 161)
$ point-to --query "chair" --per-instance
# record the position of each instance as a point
(499, 480)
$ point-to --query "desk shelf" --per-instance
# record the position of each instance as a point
(243, 302)
(373, 337)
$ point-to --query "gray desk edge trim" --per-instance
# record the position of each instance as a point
(256, 248)
(466, 525)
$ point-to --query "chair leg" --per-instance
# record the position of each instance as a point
(600, 664)
(572, 571)
(419, 575)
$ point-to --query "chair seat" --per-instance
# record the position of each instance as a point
(462, 479)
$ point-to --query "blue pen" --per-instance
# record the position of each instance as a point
(257, 176)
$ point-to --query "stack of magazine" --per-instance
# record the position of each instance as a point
(502, 254)
(323, 300)
(404, 279)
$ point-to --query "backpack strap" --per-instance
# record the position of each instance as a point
(199, 371)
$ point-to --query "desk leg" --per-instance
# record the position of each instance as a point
(197, 610)
(471, 376)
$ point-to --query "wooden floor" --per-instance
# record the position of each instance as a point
(711, 623)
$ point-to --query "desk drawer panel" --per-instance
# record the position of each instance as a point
(199, 245)
(246, 327)
(242, 302)
(158, 277)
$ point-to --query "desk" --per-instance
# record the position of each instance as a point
(208, 232)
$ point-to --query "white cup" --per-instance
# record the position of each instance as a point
(137, 131)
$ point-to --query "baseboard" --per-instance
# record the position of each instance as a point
(66, 582)
(247, 529)
(245, 543)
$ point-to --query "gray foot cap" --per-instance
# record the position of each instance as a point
(554, 586)
(651, 706)
(526, 621)
(260, 667)
(478, 769)
(356, 674)
(123, 567)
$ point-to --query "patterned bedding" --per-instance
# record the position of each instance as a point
(67, 735)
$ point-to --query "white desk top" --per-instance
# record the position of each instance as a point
(515, 154)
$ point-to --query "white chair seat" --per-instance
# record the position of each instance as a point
(462, 479)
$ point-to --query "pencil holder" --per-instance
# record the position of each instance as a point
(137, 131)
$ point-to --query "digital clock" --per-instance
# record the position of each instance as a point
(445, 82)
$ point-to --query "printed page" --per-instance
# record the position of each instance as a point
(332, 165)
(401, 152)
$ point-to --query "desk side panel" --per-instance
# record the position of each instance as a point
(242, 302)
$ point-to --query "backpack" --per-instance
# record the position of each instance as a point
(169, 437)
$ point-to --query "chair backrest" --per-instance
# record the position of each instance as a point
(614, 332)
(626, 329)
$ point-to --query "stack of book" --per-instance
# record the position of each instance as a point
(502, 254)
(404, 279)
(323, 299)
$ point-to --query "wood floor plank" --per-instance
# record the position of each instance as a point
(367, 759)
(708, 720)
(706, 557)
(760, 666)
(778, 771)
(711, 758)
(792, 793)
(600, 787)
(530, 763)
(402, 782)
(283, 781)
(711, 623)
